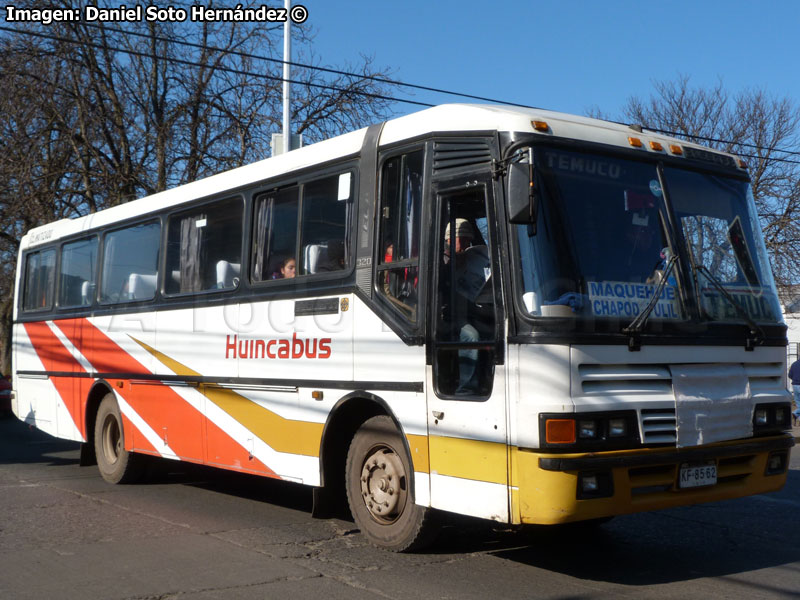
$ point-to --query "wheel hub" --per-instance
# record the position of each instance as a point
(383, 484)
(112, 440)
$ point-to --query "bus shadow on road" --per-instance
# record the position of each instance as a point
(233, 483)
(21, 443)
(680, 544)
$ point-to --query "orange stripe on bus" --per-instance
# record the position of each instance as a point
(181, 426)
(55, 357)
(280, 433)
(136, 442)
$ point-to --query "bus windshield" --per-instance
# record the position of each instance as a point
(716, 217)
(602, 244)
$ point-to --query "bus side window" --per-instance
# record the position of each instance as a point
(40, 273)
(400, 214)
(274, 234)
(323, 230)
(130, 263)
(78, 273)
(204, 248)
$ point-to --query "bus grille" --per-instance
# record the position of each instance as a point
(651, 482)
(659, 426)
(653, 383)
(451, 155)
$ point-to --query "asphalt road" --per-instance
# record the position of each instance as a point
(192, 533)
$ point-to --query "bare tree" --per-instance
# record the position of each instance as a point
(94, 114)
(764, 130)
(36, 160)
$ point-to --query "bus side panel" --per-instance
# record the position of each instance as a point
(35, 394)
(192, 343)
(73, 389)
(289, 349)
(381, 356)
(56, 354)
(296, 340)
(120, 351)
(253, 427)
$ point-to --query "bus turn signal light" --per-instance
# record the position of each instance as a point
(560, 431)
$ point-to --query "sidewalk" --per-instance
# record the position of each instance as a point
(796, 431)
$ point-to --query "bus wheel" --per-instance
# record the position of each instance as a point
(116, 464)
(378, 475)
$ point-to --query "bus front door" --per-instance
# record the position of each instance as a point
(466, 378)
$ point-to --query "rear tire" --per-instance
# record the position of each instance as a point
(378, 479)
(116, 464)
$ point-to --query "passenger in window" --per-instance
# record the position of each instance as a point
(287, 269)
(472, 272)
(335, 257)
(400, 283)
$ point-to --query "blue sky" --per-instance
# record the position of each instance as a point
(566, 55)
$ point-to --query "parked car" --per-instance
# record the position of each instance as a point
(5, 395)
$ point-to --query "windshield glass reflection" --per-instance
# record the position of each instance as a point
(602, 243)
(601, 247)
(716, 220)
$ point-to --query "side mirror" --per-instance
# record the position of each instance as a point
(523, 201)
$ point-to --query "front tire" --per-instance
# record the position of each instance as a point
(378, 480)
(116, 464)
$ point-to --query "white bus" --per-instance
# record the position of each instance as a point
(513, 314)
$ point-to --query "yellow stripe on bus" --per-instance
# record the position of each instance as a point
(469, 459)
(418, 445)
(281, 434)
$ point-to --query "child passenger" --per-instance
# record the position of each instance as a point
(286, 269)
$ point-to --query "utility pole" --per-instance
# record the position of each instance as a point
(287, 88)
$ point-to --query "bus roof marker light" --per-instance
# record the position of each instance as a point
(741, 163)
(560, 431)
(540, 126)
(635, 142)
(676, 149)
(656, 146)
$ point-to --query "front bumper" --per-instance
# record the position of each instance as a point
(545, 486)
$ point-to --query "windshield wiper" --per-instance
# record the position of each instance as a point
(640, 321)
(756, 335)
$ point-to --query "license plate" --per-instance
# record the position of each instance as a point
(697, 475)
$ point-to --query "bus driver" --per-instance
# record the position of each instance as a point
(472, 271)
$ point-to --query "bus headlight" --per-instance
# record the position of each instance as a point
(617, 428)
(589, 431)
(771, 418)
